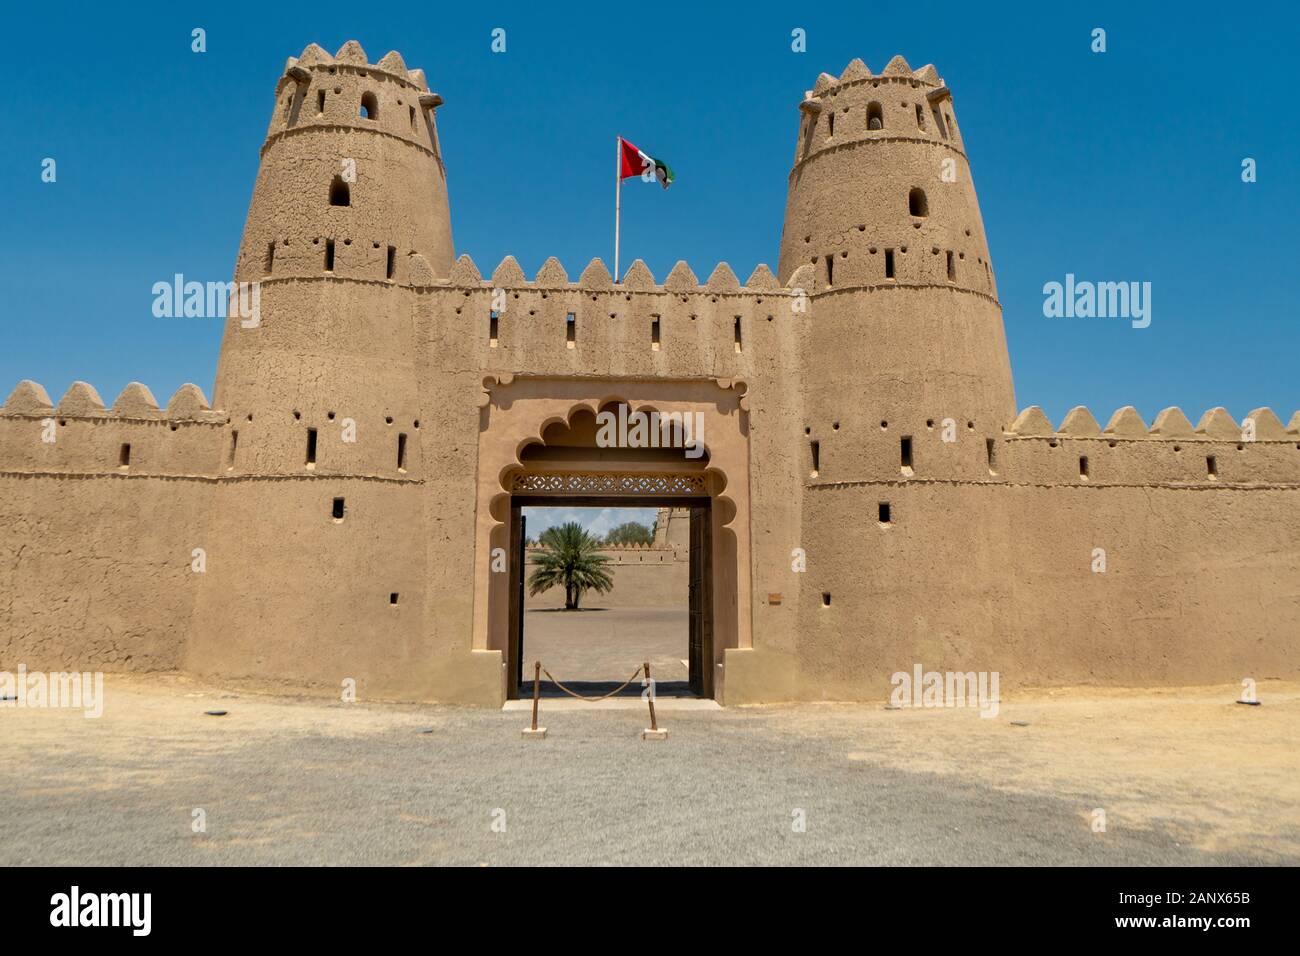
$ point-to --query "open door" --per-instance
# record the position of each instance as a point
(701, 603)
(518, 575)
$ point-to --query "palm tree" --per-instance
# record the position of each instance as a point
(570, 559)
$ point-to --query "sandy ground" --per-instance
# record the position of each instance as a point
(1184, 777)
(607, 644)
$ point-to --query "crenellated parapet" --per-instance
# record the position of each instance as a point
(133, 436)
(1217, 450)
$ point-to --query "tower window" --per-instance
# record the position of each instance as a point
(826, 599)
(905, 454)
(952, 267)
(990, 451)
(920, 117)
(571, 330)
(917, 204)
(234, 446)
(938, 122)
(320, 102)
(369, 106)
(1211, 467)
(414, 128)
(340, 194)
(401, 452)
(124, 455)
(830, 270)
(337, 510)
(889, 263)
(494, 321)
(882, 513)
(1083, 467)
(830, 125)
(329, 255)
(815, 449)
(269, 262)
(311, 448)
(737, 333)
(392, 598)
(875, 116)
(392, 262)
(654, 333)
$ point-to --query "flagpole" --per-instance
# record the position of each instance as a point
(618, 197)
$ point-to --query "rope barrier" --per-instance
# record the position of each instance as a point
(616, 690)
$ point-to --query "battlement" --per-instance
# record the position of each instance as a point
(681, 280)
(351, 58)
(1261, 425)
(134, 436)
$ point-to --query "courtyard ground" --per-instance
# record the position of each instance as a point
(607, 644)
(1183, 776)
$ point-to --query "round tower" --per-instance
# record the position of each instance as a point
(882, 209)
(906, 382)
(311, 550)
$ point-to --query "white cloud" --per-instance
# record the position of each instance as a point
(596, 521)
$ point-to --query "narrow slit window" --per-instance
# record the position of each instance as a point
(234, 446)
(414, 128)
(494, 321)
(391, 267)
(329, 255)
(340, 193)
(392, 598)
(952, 267)
(337, 509)
(1083, 467)
(883, 513)
(736, 333)
(571, 330)
(830, 270)
(875, 116)
(830, 125)
(826, 599)
(269, 263)
(369, 106)
(938, 122)
(905, 454)
(654, 333)
(1211, 466)
(990, 450)
(889, 263)
(815, 450)
(320, 102)
(401, 452)
(920, 117)
(311, 448)
(124, 455)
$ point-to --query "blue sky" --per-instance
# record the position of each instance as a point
(1117, 166)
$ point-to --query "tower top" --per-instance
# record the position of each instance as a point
(856, 73)
(351, 58)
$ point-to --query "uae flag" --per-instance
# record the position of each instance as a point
(637, 163)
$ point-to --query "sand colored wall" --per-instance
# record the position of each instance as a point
(985, 564)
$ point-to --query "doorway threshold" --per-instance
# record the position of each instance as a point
(551, 705)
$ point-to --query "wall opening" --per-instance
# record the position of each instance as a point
(329, 255)
(340, 194)
(234, 446)
(401, 452)
(320, 102)
(830, 125)
(392, 598)
(875, 116)
(952, 267)
(990, 450)
(1211, 467)
(269, 262)
(337, 509)
(917, 204)
(938, 122)
(883, 513)
(311, 448)
(392, 262)
(414, 128)
(124, 455)
(826, 599)
(736, 333)
(1083, 467)
(830, 270)
(494, 322)
(889, 263)
(920, 117)
(654, 333)
(369, 106)
(571, 330)
(905, 454)
(815, 452)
